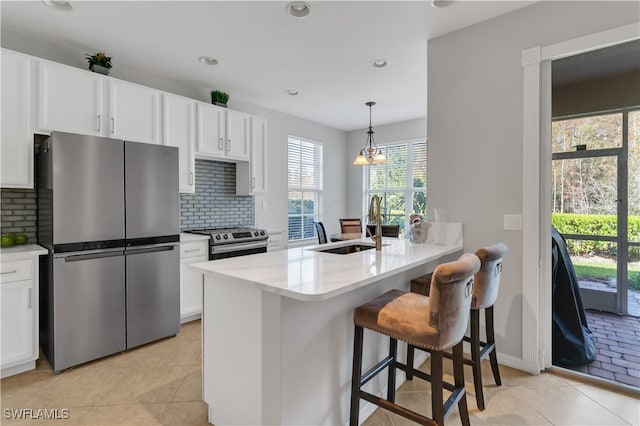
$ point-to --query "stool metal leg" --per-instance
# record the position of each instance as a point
(475, 357)
(491, 340)
(410, 355)
(391, 378)
(437, 402)
(458, 375)
(356, 375)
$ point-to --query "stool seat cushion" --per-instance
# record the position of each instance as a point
(400, 315)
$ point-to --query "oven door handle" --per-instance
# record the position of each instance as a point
(226, 248)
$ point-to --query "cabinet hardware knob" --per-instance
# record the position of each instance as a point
(220, 144)
(191, 250)
(113, 125)
(9, 272)
(99, 124)
(191, 178)
(29, 298)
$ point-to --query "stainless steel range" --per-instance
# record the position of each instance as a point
(232, 242)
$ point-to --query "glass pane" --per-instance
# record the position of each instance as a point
(397, 166)
(603, 131)
(420, 203)
(634, 176)
(595, 263)
(309, 203)
(420, 164)
(309, 230)
(585, 196)
(295, 227)
(377, 177)
(394, 209)
(633, 301)
(295, 202)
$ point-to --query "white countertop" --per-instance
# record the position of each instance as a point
(186, 237)
(304, 274)
(9, 253)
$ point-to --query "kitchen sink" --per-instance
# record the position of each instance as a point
(351, 248)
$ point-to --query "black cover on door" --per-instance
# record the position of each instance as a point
(572, 341)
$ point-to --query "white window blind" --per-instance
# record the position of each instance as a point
(304, 158)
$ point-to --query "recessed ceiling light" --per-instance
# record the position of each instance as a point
(441, 3)
(58, 4)
(291, 92)
(380, 63)
(299, 9)
(208, 60)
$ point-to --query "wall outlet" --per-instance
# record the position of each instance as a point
(513, 222)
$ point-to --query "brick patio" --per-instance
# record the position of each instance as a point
(618, 344)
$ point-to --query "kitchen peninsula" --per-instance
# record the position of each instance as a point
(278, 327)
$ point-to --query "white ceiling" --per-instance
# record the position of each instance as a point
(262, 51)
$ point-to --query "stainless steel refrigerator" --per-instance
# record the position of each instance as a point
(108, 212)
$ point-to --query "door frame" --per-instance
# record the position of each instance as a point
(536, 185)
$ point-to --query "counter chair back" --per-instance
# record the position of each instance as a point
(350, 226)
(322, 234)
(485, 293)
(435, 324)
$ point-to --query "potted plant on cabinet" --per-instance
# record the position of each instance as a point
(99, 62)
(219, 98)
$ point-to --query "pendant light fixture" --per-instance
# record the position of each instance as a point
(371, 155)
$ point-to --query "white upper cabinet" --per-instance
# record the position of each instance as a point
(134, 112)
(238, 131)
(211, 130)
(69, 99)
(223, 134)
(251, 177)
(16, 145)
(179, 122)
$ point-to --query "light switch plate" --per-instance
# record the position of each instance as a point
(513, 222)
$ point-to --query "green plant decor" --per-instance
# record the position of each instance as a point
(219, 97)
(99, 58)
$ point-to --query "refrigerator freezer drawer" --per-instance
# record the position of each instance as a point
(153, 293)
(89, 309)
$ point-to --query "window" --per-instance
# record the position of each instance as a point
(402, 182)
(305, 186)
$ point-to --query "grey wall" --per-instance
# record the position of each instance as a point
(475, 130)
(215, 203)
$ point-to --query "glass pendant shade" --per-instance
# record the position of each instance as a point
(370, 154)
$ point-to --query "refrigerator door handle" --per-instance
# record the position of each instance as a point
(152, 249)
(79, 257)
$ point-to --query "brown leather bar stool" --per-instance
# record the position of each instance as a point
(433, 323)
(485, 293)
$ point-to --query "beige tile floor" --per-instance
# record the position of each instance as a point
(160, 384)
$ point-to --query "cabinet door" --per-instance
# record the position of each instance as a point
(134, 112)
(69, 99)
(178, 118)
(237, 143)
(211, 129)
(258, 155)
(190, 288)
(17, 322)
(16, 143)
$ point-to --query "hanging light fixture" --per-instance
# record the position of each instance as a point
(372, 154)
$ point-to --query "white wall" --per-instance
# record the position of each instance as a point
(475, 128)
(279, 127)
(403, 131)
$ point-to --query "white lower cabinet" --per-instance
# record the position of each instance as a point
(191, 281)
(19, 315)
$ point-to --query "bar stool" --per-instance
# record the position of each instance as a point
(485, 293)
(432, 323)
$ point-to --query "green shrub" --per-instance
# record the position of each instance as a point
(595, 224)
(634, 280)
